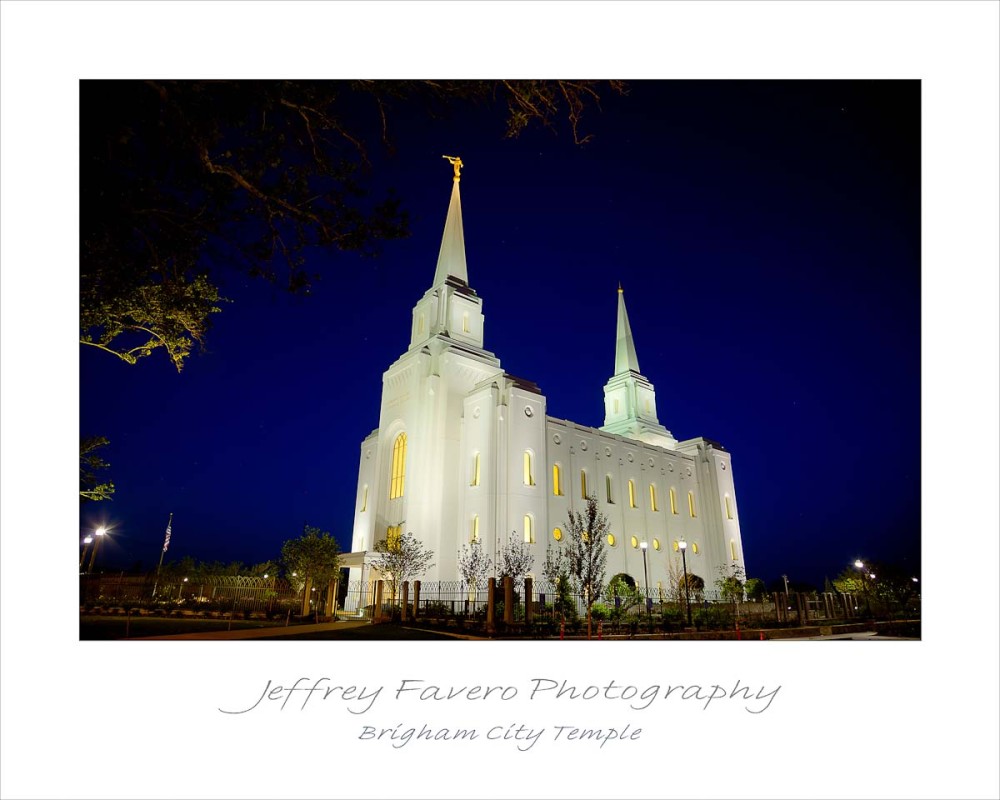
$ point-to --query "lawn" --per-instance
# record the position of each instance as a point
(99, 627)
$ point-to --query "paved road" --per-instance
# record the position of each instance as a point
(864, 636)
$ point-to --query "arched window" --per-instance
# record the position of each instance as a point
(616, 405)
(396, 485)
(732, 549)
(557, 534)
(691, 509)
(529, 477)
(474, 533)
(607, 486)
(420, 323)
(475, 471)
(364, 500)
(583, 483)
(529, 531)
(631, 494)
(729, 508)
(465, 322)
(673, 500)
(556, 480)
(652, 497)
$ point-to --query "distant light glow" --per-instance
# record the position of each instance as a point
(101, 531)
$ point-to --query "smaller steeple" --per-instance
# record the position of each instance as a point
(625, 358)
(629, 397)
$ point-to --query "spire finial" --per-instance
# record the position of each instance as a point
(619, 287)
(456, 162)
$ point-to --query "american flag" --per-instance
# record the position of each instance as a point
(166, 541)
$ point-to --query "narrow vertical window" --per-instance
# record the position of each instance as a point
(631, 494)
(392, 536)
(652, 498)
(729, 508)
(691, 509)
(583, 483)
(364, 499)
(465, 322)
(397, 484)
(647, 405)
(420, 323)
(529, 479)
(607, 486)
(474, 533)
(616, 405)
(732, 549)
(475, 471)
(673, 500)
(556, 480)
(529, 531)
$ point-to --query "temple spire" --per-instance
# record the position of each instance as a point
(451, 258)
(625, 357)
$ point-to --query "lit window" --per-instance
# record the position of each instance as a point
(677, 546)
(729, 508)
(557, 534)
(583, 483)
(556, 480)
(652, 497)
(529, 532)
(635, 541)
(420, 324)
(691, 508)
(732, 549)
(475, 471)
(694, 548)
(607, 486)
(474, 534)
(656, 544)
(465, 322)
(529, 479)
(392, 536)
(611, 540)
(364, 500)
(396, 485)
(631, 494)
(647, 405)
(616, 405)
(673, 500)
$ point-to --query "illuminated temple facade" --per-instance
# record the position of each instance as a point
(464, 451)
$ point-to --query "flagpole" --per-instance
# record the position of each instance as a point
(163, 552)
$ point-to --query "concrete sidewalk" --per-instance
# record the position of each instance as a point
(256, 633)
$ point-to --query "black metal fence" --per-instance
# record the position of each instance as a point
(211, 592)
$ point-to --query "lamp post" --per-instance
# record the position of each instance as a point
(98, 535)
(865, 576)
(687, 591)
(645, 572)
(87, 541)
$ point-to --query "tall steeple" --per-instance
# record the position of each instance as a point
(451, 258)
(450, 312)
(629, 397)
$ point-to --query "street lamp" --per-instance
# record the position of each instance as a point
(87, 540)
(865, 576)
(99, 534)
(645, 571)
(687, 592)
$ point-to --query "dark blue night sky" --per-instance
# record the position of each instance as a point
(767, 238)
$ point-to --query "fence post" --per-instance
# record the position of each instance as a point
(508, 600)
(491, 594)
(405, 601)
(528, 610)
(776, 598)
(332, 590)
(306, 591)
(377, 610)
(416, 598)
(801, 616)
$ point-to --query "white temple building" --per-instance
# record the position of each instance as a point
(464, 451)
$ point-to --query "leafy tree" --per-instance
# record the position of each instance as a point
(516, 561)
(850, 581)
(623, 595)
(587, 555)
(474, 566)
(177, 176)
(755, 589)
(313, 558)
(695, 583)
(401, 559)
(91, 486)
(730, 583)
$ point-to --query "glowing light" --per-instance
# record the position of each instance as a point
(682, 544)
(101, 531)
(859, 564)
(89, 539)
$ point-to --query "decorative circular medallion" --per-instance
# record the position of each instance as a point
(475, 413)
(629, 456)
(528, 412)
(650, 462)
(723, 466)
(583, 445)
(607, 451)
(556, 438)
